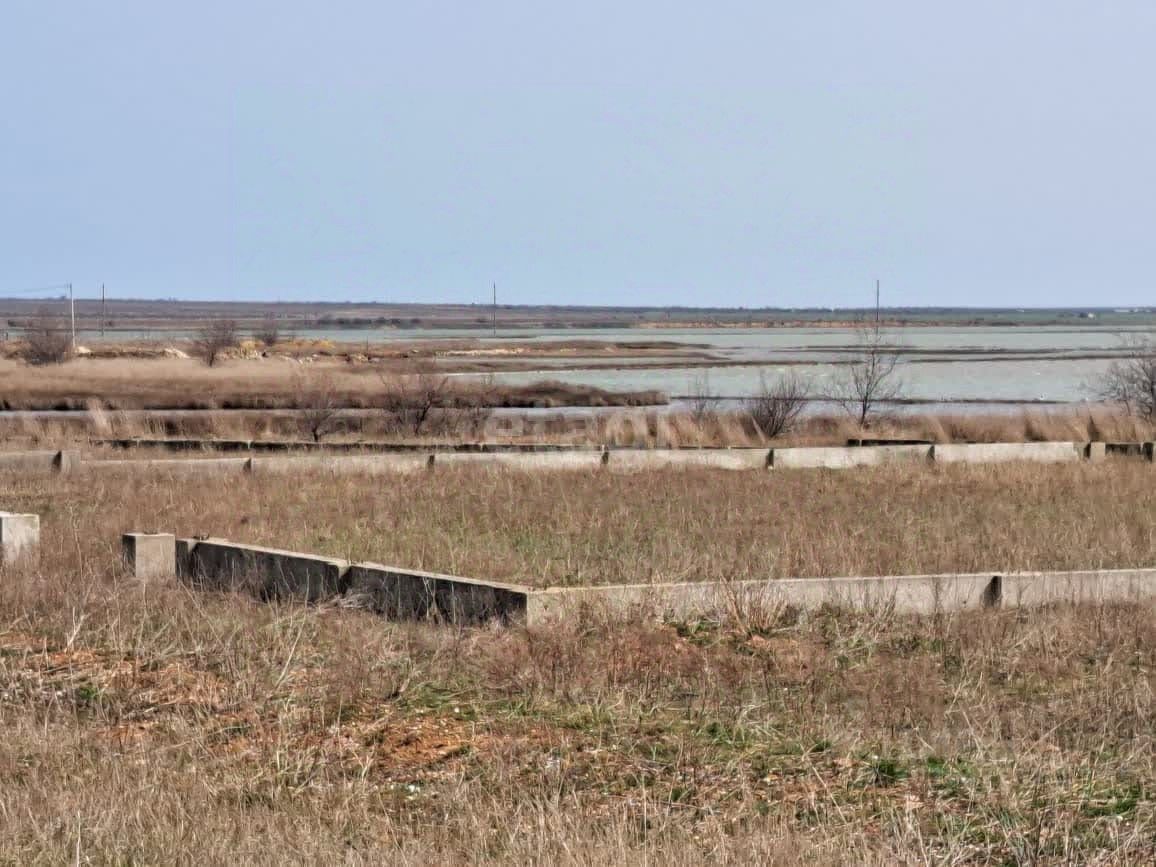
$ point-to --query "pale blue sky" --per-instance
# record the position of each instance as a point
(992, 152)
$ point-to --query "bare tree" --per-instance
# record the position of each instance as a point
(870, 378)
(320, 405)
(1130, 381)
(268, 334)
(777, 405)
(411, 398)
(47, 340)
(213, 339)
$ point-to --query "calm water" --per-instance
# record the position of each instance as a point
(929, 370)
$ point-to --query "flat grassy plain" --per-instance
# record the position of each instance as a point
(152, 724)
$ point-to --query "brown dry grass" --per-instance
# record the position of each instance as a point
(148, 724)
(173, 383)
(598, 527)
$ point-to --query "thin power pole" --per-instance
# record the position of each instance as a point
(102, 313)
(72, 314)
(876, 302)
(494, 315)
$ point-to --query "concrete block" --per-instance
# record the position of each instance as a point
(998, 453)
(840, 457)
(723, 459)
(150, 555)
(19, 539)
(268, 573)
(1097, 586)
(407, 594)
(67, 461)
(1096, 452)
(28, 462)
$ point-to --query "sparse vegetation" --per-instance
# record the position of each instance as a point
(268, 334)
(776, 406)
(47, 340)
(870, 378)
(213, 339)
(327, 735)
(1130, 381)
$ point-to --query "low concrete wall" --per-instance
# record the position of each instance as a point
(341, 464)
(841, 457)
(586, 460)
(723, 459)
(37, 461)
(176, 466)
(998, 453)
(407, 594)
(1104, 585)
(268, 573)
(911, 594)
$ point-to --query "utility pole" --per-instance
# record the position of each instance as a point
(72, 315)
(494, 317)
(877, 302)
(102, 314)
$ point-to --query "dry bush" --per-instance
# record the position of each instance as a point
(701, 399)
(776, 406)
(1130, 381)
(411, 399)
(268, 334)
(319, 403)
(214, 339)
(47, 340)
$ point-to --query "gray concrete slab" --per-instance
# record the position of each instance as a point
(587, 460)
(842, 457)
(28, 462)
(724, 459)
(998, 453)
(268, 573)
(911, 594)
(381, 464)
(150, 556)
(19, 539)
(409, 594)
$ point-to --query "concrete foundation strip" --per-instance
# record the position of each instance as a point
(409, 594)
(585, 458)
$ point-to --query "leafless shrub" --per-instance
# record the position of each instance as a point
(410, 399)
(701, 399)
(1130, 381)
(320, 405)
(870, 378)
(777, 405)
(213, 339)
(268, 334)
(47, 340)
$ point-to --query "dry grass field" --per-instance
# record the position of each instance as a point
(151, 724)
(579, 527)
